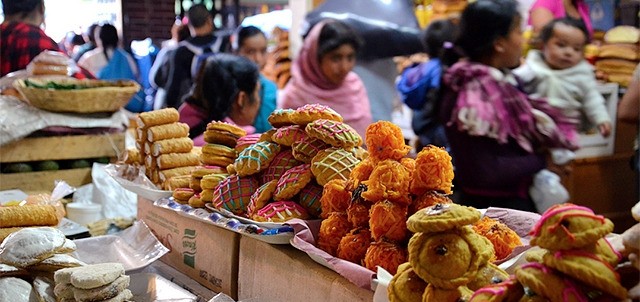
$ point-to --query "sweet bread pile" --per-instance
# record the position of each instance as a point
(365, 216)
(620, 54)
(29, 258)
(96, 282)
(571, 261)
(163, 147)
(279, 175)
(447, 259)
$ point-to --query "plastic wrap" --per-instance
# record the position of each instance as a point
(134, 180)
(149, 287)
(135, 247)
(388, 28)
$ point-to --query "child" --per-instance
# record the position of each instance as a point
(419, 85)
(496, 132)
(560, 74)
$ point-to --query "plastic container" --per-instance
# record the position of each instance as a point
(84, 213)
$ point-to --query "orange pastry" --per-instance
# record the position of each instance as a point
(332, 163)
(353, 246)
(388, 221)
(305, 149)
(234, 193)
(428, 199)
(389, 180)
(361, 172)
(358, 213)
(434, 171)
(331, 232)
(335, 198)
(261, 197)
(282, 162)
(386, 255)
(288, 135)
(385, 140)
(292, 181)
(310, 199)
(334, 133)
(311, 112)
(503, 238)
(281, 211)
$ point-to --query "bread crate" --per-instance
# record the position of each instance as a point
(65, 149)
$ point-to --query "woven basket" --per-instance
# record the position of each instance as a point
(102, 96)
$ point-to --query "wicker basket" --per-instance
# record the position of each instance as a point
(102, 96)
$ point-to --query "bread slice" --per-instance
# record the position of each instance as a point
(622, 34)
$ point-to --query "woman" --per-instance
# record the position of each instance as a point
(252, 44)
(496, 132)
(323, 74)
(227, 88)
(108, 60)
(543, 11)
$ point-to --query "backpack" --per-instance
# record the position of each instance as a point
(201, 53)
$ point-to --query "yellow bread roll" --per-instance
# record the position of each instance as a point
(158, 117)
(166, 131)
(174, 160)
(166, 174)
(172, 145)
(180, 181)
(29, 215)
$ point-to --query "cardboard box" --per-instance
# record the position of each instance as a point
(283, 273)
(206, 253)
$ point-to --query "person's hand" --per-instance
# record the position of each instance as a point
(605, 129)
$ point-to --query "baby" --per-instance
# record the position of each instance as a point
(559, 73)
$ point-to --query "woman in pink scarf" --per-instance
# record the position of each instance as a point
(322, 74)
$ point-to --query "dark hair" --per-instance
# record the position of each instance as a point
(219, 80)
(437, 33)
(482, 23)
(22, 7)
(109, 37)
(91, 32)
(76, 39)
(198, 15)
(183, 32)
(244, 33)
(335, 34)
(547, 31)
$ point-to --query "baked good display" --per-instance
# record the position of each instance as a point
(334, 198)
(288, 135)
(388, 180)
(218, 155)
(310, 199)
(306, 148)
(261, 197)
(281, 117)
(311, 112)
(487, 275)
(428, 199)
(508, 290)
(29, 246)
(503, 238)
(433, 293)
(282, 162)
(332, 229)
(266, 136)
(386, 255)
(353, 246)
(337, 134)
(434, 171)
(442, 217)
(359, 210)
(406, 286)
(388, 221)
(28, 215)
(96, 282)
(157, 117)
(247, 141)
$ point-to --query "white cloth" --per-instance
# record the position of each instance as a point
(573, 90)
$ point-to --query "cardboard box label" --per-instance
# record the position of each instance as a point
(189, 247)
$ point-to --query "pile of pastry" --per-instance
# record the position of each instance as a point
(17, 217)
(571, 261)
(365, 215)
(619, 55)
(163, 147)
(279, 175)
(96, 282)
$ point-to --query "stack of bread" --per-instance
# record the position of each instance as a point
(571, 261)
(279, 175)
(619, 56)
(447, 9)
(34, 254)
(164, 148)
(14, 218)
(278, 67)
(96, 282)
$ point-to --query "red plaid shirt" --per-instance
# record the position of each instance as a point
(19, 44)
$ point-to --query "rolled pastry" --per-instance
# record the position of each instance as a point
(166, 174)
(142, 147)
(133, 157)
(174, 130)
(150, 164)
(29, 215)
(172, 145)
(174, 160)
(158, 117)
(180, 181)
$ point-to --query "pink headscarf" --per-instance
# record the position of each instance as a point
(309, 85)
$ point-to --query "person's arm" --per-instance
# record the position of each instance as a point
(628, 107)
